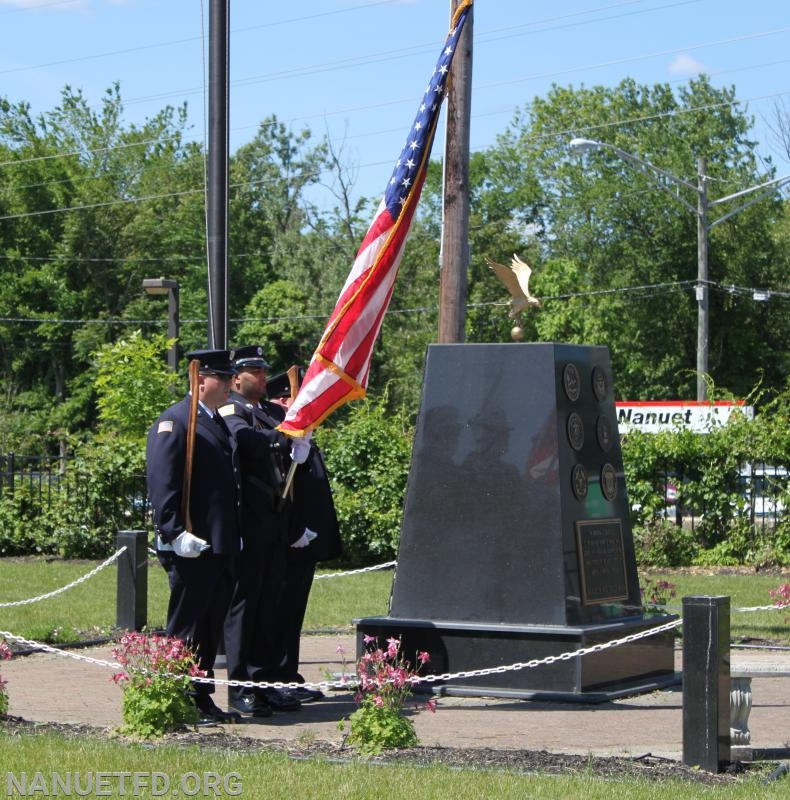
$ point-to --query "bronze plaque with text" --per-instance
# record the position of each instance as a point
(599, 544)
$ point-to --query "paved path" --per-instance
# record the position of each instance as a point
(45, 687)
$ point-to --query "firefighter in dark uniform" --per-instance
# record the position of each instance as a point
(251, 631)
(313, 535)
(200, 561)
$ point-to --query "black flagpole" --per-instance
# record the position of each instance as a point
(217, 192)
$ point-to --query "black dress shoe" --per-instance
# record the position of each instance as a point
(305, 695)
(280, 700)
(250, 703)
(211, 714)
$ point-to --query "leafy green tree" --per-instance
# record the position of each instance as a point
(268, 209)
(615, 257)
(76, 245)
(276, 319)
(133, 384)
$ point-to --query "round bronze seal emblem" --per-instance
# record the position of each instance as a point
(575, 431)
(571, 382)
(608, 482)
(599, 383)
(579, 482)
(603, 432)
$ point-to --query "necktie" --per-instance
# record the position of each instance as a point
(217, 417)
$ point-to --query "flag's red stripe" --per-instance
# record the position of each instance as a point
(340, 367)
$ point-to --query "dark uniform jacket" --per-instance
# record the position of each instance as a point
(264, 454)
(314, 508)
(215, 495)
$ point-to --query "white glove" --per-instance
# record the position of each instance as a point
(305, 538)
(187, 545)
(300, 449)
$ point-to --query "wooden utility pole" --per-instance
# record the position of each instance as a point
(454, 254)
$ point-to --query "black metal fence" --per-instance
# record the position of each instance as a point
(112, 503)
(758, 493)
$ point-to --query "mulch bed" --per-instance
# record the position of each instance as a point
(644, 767)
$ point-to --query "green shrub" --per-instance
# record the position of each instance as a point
(20, 521)
(367, 458)
(92, 500)
(660, 543)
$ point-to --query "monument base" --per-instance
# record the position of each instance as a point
(635, 668)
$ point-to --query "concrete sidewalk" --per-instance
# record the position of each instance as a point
(46, 687)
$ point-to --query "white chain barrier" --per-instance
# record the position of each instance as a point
(62, 589)
(739, 610)
(114, 557)
(351, 683)
(385, 565)
(346, 683)
(99, 662)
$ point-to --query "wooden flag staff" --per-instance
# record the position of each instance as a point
(293, 380)
(186, 488)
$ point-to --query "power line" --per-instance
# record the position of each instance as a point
(552, 134)
(646, 289)
(170, 42)
(370, 58)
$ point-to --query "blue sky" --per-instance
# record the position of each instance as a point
(355, 69)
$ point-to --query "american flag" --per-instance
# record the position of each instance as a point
(339, 369)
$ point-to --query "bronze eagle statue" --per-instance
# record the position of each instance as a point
(516, 281)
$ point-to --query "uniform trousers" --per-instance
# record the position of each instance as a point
(252, 648)
(299, 574)
(200, 593)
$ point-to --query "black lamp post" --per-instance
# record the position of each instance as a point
(170, 288)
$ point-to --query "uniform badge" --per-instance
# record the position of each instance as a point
(165, 426)
(227, 411)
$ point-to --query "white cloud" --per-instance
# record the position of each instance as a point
(685, 65)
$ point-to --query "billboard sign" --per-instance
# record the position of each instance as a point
(674, 415)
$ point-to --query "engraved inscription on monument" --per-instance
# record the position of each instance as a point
(575, 431)
(599, 384)
(579, 481)
(603, 432)
(571, 382)
(599, 546)
(608, 482)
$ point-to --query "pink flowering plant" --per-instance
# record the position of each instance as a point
(384, 683)
(781, 595)
(156, 679)
(5, 654)
(656, 595)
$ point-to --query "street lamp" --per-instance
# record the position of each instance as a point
(161, 286)
(666, 181)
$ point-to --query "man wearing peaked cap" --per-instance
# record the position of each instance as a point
(279, 386)
(219, 362)
(250, 631)
(249, 357)
(198, 548)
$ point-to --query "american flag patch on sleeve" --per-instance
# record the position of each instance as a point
(165, 426)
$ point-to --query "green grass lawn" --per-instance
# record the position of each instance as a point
(745, 591)
(88, 610)
(276, 777)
